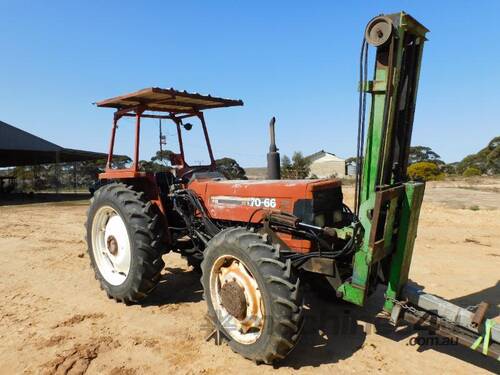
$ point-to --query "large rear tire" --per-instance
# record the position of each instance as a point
(124, 242)
(253, 296)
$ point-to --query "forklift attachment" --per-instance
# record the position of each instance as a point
(469, 328)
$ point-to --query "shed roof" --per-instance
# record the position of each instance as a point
(18, 147)
(12, 138)
(322, 153)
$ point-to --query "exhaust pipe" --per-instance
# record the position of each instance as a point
(273, 156)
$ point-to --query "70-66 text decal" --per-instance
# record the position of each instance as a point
(258, 202)
(262, 202)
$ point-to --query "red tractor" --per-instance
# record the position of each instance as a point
(237, 231)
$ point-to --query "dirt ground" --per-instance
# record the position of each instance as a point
(54, 318)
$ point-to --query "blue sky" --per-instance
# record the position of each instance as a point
(297, 61)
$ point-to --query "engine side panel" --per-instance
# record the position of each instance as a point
(244, 200)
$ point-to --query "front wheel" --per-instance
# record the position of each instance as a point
(252, 295)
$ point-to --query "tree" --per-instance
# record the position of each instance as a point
(230, 169)
(151, 166)
(472, 171)
(64, 175)
(422, 153)
(160, 162)
(424, 171)
(486, 160)
(297, 168)
(89, 170)
(22, 175)
(301, 164)
(286, 167)
(39, 180)
(450, 168)
(162, 157)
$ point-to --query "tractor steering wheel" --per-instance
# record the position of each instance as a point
(190, 171)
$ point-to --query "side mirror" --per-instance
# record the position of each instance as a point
(188, 126)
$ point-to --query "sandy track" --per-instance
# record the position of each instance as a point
(54, 318)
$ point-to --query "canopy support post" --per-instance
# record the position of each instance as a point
(207, 139)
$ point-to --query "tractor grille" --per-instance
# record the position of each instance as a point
(325, 209)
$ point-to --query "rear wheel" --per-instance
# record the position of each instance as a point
(253, 296)
(124, 242)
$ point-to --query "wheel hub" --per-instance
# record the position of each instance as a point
(112, 245)
(233, 299)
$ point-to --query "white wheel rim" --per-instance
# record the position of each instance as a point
(111, 245)
(247, 330)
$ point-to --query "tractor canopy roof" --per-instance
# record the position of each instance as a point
(167, 100)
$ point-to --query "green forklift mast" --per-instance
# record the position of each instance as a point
(386, 203)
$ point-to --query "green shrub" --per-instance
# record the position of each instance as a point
(472, 171)
(424, 171)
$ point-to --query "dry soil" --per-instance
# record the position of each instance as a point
(55, 319)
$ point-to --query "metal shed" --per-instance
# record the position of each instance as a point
(18, 148)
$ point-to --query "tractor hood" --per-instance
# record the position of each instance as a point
(245, 200)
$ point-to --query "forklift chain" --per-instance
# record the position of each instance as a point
(404, 306)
